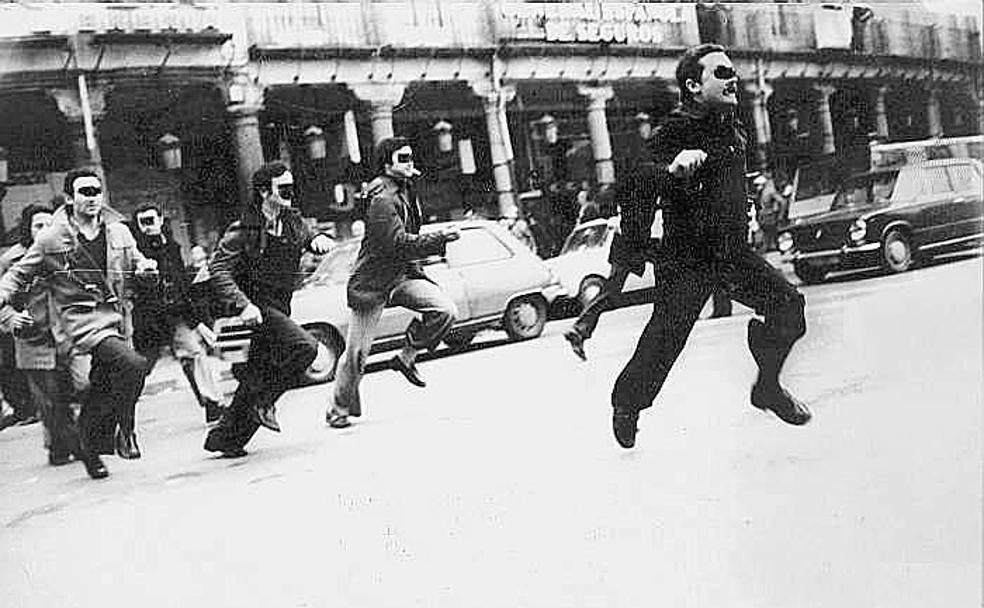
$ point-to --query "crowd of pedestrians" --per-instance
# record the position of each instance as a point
(87, 302)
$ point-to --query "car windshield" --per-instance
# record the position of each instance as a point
(586, 237)
(335, 268)
(813, 181)
(872, 190)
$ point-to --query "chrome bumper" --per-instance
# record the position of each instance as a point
(833, 253)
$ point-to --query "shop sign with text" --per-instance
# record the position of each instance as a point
(601, 22)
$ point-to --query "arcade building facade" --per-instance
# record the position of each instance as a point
(178, 103)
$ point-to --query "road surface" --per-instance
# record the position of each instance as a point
(500, 485)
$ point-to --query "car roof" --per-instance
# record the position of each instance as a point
(936, 162)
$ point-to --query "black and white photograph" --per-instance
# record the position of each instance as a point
(492, 304)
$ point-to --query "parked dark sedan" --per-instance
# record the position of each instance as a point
(891, 218)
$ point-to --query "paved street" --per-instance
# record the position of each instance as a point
(500, 485)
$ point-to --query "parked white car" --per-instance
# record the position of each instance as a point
(582, 265)
(496, 282)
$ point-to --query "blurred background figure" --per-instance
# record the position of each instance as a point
(771, 210)
(13, 380)
(43, 353)
(587, 206)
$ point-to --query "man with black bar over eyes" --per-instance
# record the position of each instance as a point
(89, 260)
(254, 272)
(387, 271)
(700, 153)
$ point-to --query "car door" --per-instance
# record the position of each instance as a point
(967, 203)
(936, 215)
(395, 319)
(488, 269)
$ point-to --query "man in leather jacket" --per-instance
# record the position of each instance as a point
(700, 176)
(387, 272)
(90, 259)
(253, 273)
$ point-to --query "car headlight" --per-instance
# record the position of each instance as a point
(784, 242)
(858, 231)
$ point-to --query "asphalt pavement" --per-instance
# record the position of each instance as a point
(501, 485)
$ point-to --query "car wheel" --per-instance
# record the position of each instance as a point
(809, 274)
(525, 317)
(896, 251)
(330, 348)
(459, 339)
(589, 290)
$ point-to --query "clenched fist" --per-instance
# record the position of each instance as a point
(321, 244)
(686, 162)
(147, 267)
(251, 315)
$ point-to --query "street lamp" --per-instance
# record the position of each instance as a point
(170, 151)
(445, 140)
(314, 136)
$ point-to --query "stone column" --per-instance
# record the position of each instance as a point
(881, 114)
(934, 121)
(601, 143)
(382, 98)
(497, 149)
(760, 94)
(82, 105)
(979, 98)
(493, 104)
(507, 93)
(245, 103)
(826, 120)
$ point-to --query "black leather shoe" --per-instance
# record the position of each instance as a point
(409, 372)
(266, 417)
(94, 466)
(336, 420)
(8, 420)
(233, 453)
(789, 409)
(32, 419)
(625, 426)
(57, 459)
(126, 445)
(577, 343)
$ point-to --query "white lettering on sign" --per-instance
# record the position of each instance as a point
(16, 20)
(597, 22)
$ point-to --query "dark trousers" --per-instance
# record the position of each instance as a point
(13, 381)
(587, 321)
(722, 303)
(51, 390)
(151, 333)
(437, 314)
(279, 351)
(681, 292)
(116, 380)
